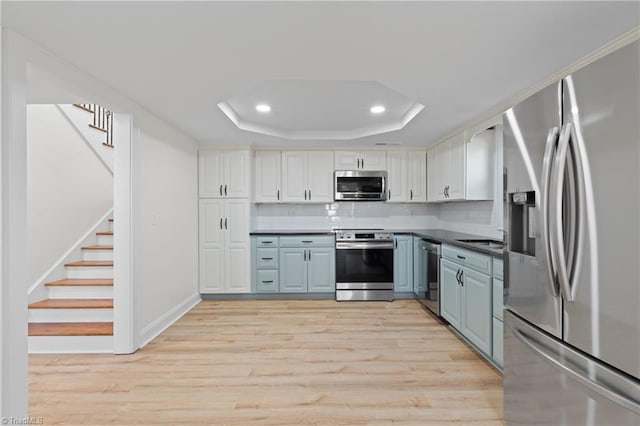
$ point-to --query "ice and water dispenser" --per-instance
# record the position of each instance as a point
(522, 222)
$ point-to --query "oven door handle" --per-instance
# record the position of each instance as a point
(368, 245)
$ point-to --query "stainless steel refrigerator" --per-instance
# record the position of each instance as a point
(572, 207)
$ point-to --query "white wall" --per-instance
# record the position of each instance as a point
(165, 224)
(345, 215)
(68, 187)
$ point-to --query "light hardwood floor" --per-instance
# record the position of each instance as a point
(279, 363)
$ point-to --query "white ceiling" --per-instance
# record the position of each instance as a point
(458, 59)
(320, 109)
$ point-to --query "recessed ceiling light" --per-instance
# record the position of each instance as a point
(263, 108)
(377, 109)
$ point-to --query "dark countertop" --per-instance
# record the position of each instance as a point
(452, 237)
(293, 232)
(435, 235)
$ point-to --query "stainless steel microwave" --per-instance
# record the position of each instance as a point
(360, 185)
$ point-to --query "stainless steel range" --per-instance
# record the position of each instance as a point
(364, 265)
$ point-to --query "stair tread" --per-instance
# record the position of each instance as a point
(83, 108)
(102, 129)
(104, 233)
(97, 247)
(71, 329)
(73, 304)
(73, 282)
(90, 263)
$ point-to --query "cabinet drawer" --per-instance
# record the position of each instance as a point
(478, 261)
(307, 240)
(267, 241)
(498, 268)
(267, 281)
(267, 258)
(498, 298)
(498, 336)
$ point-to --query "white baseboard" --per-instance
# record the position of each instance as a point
(70, 344)
(154, 329)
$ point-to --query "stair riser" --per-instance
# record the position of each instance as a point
(70, 315)
(70, 344)
(89, 272)
(81, 292)
(105, 240)
(97, 255)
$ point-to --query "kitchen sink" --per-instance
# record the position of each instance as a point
(484, 242)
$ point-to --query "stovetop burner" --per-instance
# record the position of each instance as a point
(363, 235)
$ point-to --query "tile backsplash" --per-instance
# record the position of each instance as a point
(346, 214)
(482, 218)
(473, 217)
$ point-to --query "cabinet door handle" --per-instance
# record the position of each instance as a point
(309, 195)
(307, 241)
(362, 161)
(411, 192)
(458, 276)
(220, 223)
(267, 258)
(267, 282)
(305, 194)
(221, 190)
(389, 194)
(358, 161)
(304, 255)
(225, 189)
(461, 278)
(278, 196)
(309, 255)
(461, 257)
(267, 242)
(225, 223)
(396, 243)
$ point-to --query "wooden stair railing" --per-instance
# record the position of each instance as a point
(102, 120)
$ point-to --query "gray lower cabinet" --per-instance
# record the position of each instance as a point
(450, 293)
(293, 270)
(321, 273)
(403, 263)
(476, 308)
(498, 307)
(466, 300)
(265, 261)
(294, 264)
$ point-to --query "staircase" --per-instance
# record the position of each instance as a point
(77, 316)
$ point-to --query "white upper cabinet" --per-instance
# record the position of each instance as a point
(462, 167)
(363, 160)
(407, 176)
(433, 183)
(307, 176)
(268, 174)
(456, 166)
(224, 174)
(320, 176)
(417, 176)
(397, 177)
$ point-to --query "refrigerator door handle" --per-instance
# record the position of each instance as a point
(623, 400)
(576, 241)
(549, 250)
(556, 233)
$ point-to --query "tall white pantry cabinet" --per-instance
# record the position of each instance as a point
(224, 221)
